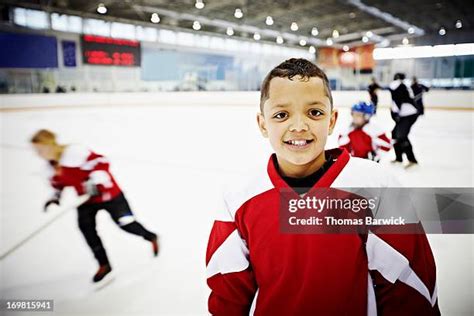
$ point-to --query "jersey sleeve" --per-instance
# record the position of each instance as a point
(402, 267)
(344, 141)
(81, 168)
(68, 172)
(99, 175)
(229, 273)
(381, 142)
(403, 271)
(68, 177)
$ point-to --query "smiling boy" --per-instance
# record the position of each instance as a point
(254, 268)
(299, 142)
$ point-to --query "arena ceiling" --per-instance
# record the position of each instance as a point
(345, 22)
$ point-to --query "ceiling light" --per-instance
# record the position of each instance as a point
(365, 39)
(238, 13)
(411, 30)
(458, 24)
(269, 20)
(199, 4)
(369, 34)
(312, 50)
(279, 39)
(314, 31)
(405, 41)
(101, 8)
(294, 27)
(335, 34)
(345, 48)
(442, 31)
(303, 42)
(230, 31)
(257, 37)
(329, 42)
(155, 18)
(196, 25)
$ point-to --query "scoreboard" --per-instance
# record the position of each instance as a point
(99, 50)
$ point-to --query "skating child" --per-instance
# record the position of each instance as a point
(363, 138)
(88, 172)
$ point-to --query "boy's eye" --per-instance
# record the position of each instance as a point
(315, 112)
(280, 115)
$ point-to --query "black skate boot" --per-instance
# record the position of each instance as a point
(102, 272)
(155, 246)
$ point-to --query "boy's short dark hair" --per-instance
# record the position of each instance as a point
(290, 68)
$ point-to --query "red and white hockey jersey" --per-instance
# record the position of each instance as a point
(252, 268)
(79, 165)
(367, 142)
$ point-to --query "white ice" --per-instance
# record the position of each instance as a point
(170, 161)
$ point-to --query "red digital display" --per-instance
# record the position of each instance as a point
(98, 50)
(100, 57)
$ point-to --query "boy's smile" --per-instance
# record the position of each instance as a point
(297, 118)
(298, 144)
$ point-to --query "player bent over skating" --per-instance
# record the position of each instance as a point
(88, 172)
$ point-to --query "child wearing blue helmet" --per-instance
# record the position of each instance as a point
(364, 139)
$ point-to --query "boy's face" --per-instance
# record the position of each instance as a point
(45, 151)
(358, 119)
(297, 119)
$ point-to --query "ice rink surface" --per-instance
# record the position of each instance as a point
(171, 162)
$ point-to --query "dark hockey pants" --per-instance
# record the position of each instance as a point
(120, 211)
(400, 133)
(375, 101)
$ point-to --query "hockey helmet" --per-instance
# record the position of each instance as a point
(366, 108)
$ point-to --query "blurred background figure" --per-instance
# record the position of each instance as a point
(374, 98)
(405, 114)
(363, 138)
(418, 90)
(88, 172)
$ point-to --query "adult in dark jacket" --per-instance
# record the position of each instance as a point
(405, 114)
(372, 89)
(418, 90)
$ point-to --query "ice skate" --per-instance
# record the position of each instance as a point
(103, 271)
(411, 164)
(155, 246)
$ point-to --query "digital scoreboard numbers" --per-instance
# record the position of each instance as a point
(98, 50)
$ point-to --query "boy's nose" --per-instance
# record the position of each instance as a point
(298, 125)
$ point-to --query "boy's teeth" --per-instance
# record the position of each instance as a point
(298, 142)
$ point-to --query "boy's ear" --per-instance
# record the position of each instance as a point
(261, 124)
(333, 119)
